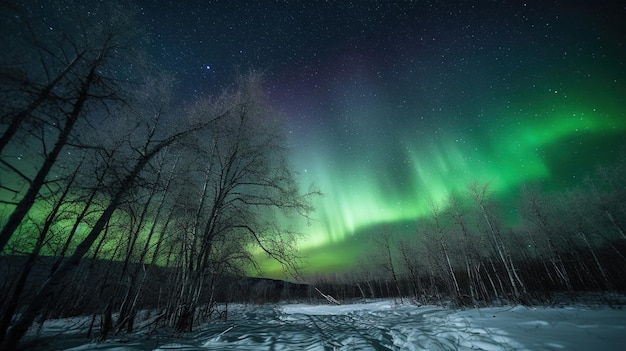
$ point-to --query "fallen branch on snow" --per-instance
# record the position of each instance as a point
(225, 331)
(328, 297)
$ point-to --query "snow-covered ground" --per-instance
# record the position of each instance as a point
(376, 325)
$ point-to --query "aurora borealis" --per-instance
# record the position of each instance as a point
(496, 92)
(393, 106)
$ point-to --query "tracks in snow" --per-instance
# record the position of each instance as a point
(394, 328)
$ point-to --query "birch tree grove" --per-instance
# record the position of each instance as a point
(563, 242)
(241, 185)
(200, 188)
(61, 100)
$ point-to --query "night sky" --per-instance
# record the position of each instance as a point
(392, 106)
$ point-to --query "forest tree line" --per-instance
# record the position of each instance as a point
(101, 161)
(467, 252)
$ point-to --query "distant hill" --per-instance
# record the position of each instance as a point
(96, 282)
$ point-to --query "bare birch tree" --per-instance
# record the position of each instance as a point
(66, 94)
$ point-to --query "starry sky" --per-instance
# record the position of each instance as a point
(391, 106)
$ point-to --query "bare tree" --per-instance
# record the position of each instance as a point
(12, 303)
(439, 235)
(384, 244)
(468, 246)
(78, 86)
(410, 259)
(243, 188)
(542, 232)
(582, 227)
(480, 195)
(155, 141)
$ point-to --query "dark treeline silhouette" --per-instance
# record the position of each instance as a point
(467, 253)
(78, 296)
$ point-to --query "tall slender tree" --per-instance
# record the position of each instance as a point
(85, 80)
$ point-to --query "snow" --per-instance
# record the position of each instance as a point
(374, 325)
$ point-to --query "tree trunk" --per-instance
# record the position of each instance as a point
(50, 285)
(41, 97)
(38, 182)
(605, 276)
(13, 302)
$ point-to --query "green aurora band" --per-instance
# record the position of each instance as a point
(393, 107)
(556, 141)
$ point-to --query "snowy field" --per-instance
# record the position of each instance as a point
(377, 325)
